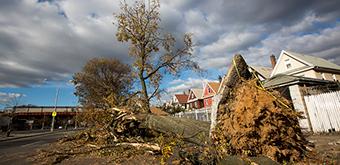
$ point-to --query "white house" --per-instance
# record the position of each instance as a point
(296, 64)
(295, 72)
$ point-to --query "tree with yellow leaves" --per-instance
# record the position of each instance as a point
(154, 53)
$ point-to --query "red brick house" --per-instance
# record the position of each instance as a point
(195, 100)
(210, 89)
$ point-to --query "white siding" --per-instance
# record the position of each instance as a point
(281, 65)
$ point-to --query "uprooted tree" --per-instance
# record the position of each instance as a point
(154, 53)
(103, 83)
(253, 121)
(102, 87)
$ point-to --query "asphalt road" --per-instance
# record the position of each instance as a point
(18, 150)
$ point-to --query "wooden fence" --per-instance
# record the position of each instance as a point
(324, 111)
(197, 114)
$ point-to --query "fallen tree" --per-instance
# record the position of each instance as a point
(189, 130)
(251, 122)
(122, 124)
(120, 133)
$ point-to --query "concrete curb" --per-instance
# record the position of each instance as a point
(26, 136)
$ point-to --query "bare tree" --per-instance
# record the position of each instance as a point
(154, 53)
(10, 100)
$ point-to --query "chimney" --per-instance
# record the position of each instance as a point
(273, 60)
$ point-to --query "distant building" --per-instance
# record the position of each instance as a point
(210, 89)
(195, 99)
(30, 116)
(263, 73)
(180, 100)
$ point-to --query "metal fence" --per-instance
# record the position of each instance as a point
(197, 114)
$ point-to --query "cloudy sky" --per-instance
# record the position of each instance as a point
(42, 43)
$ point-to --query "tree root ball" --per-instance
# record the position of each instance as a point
(254, 122)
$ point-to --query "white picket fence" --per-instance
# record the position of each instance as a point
(197, 114)
(324, 111)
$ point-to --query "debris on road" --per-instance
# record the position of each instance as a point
(254, 126)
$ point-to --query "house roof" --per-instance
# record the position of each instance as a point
(197, 92)
(263, 71)
(313, 61)
(287, 80)
(182, 98)
(214, 86)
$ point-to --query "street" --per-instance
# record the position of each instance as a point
(16, 151)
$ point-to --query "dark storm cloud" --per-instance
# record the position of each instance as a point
(269, 21)
(9, 4)
(38, 43)
(53, 39)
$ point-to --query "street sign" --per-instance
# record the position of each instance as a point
(54, 113)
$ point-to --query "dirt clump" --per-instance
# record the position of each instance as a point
(258, 122)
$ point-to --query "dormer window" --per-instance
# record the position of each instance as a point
(288, 64)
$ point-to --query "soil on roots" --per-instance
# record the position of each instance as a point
(254, 122)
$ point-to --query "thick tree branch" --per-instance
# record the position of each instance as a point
(154, 93)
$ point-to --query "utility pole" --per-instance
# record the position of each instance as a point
(55, 110)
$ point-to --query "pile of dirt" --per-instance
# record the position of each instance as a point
(253, 122)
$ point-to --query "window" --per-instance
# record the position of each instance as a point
(334, 77)
(196, 105)
(209, 90)
(323, 76)
(288, 64)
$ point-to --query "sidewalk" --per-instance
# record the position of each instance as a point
(30, 133)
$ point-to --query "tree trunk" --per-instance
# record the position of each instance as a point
(237, 71)
(146, 104)
(190, 130)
